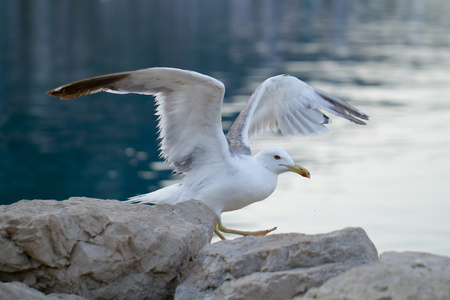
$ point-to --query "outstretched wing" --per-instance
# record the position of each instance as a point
(287, 104)
(189, 106)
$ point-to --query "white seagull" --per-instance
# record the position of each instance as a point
(220, 170)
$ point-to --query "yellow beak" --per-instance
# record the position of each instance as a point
(299, 170)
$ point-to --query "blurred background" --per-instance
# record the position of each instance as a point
(390, 59)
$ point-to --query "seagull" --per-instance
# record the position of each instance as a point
(220, 170)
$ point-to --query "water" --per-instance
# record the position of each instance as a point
(390, 59)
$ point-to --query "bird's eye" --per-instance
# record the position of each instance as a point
(277, 157)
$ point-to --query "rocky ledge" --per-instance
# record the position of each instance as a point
(86, 248)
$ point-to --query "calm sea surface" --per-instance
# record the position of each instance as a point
(391, 59)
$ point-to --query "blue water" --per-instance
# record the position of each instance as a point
(391, 59)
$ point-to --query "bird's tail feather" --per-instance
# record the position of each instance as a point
(169, 195)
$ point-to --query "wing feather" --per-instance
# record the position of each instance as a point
(306, 126)
(287, 104)
(189, 106)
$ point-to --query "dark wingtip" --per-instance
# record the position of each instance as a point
(53, 93)
(64, 94)
(343, 109)
(59, 92)
(87, 86)
(362, 116)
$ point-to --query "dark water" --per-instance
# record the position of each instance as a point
(389, 58)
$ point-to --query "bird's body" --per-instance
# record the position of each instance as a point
(234, 184)
(220, 170)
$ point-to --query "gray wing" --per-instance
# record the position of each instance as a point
(189, 106)
(287, 104)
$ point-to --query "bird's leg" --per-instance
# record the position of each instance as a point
(217, 232)
(219, 227)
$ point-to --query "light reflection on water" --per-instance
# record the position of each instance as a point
(391, 61)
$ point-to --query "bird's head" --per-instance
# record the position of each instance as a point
(279, 161)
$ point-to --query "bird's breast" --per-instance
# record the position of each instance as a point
(236, 190)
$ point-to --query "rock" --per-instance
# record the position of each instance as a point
(278, 266)
(19, 290)
(406, 275)
(101, 249)
(106, 249)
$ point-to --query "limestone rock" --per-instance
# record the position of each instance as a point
(277, 266)
(101, 249)
(19, 290)
(406, 275)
